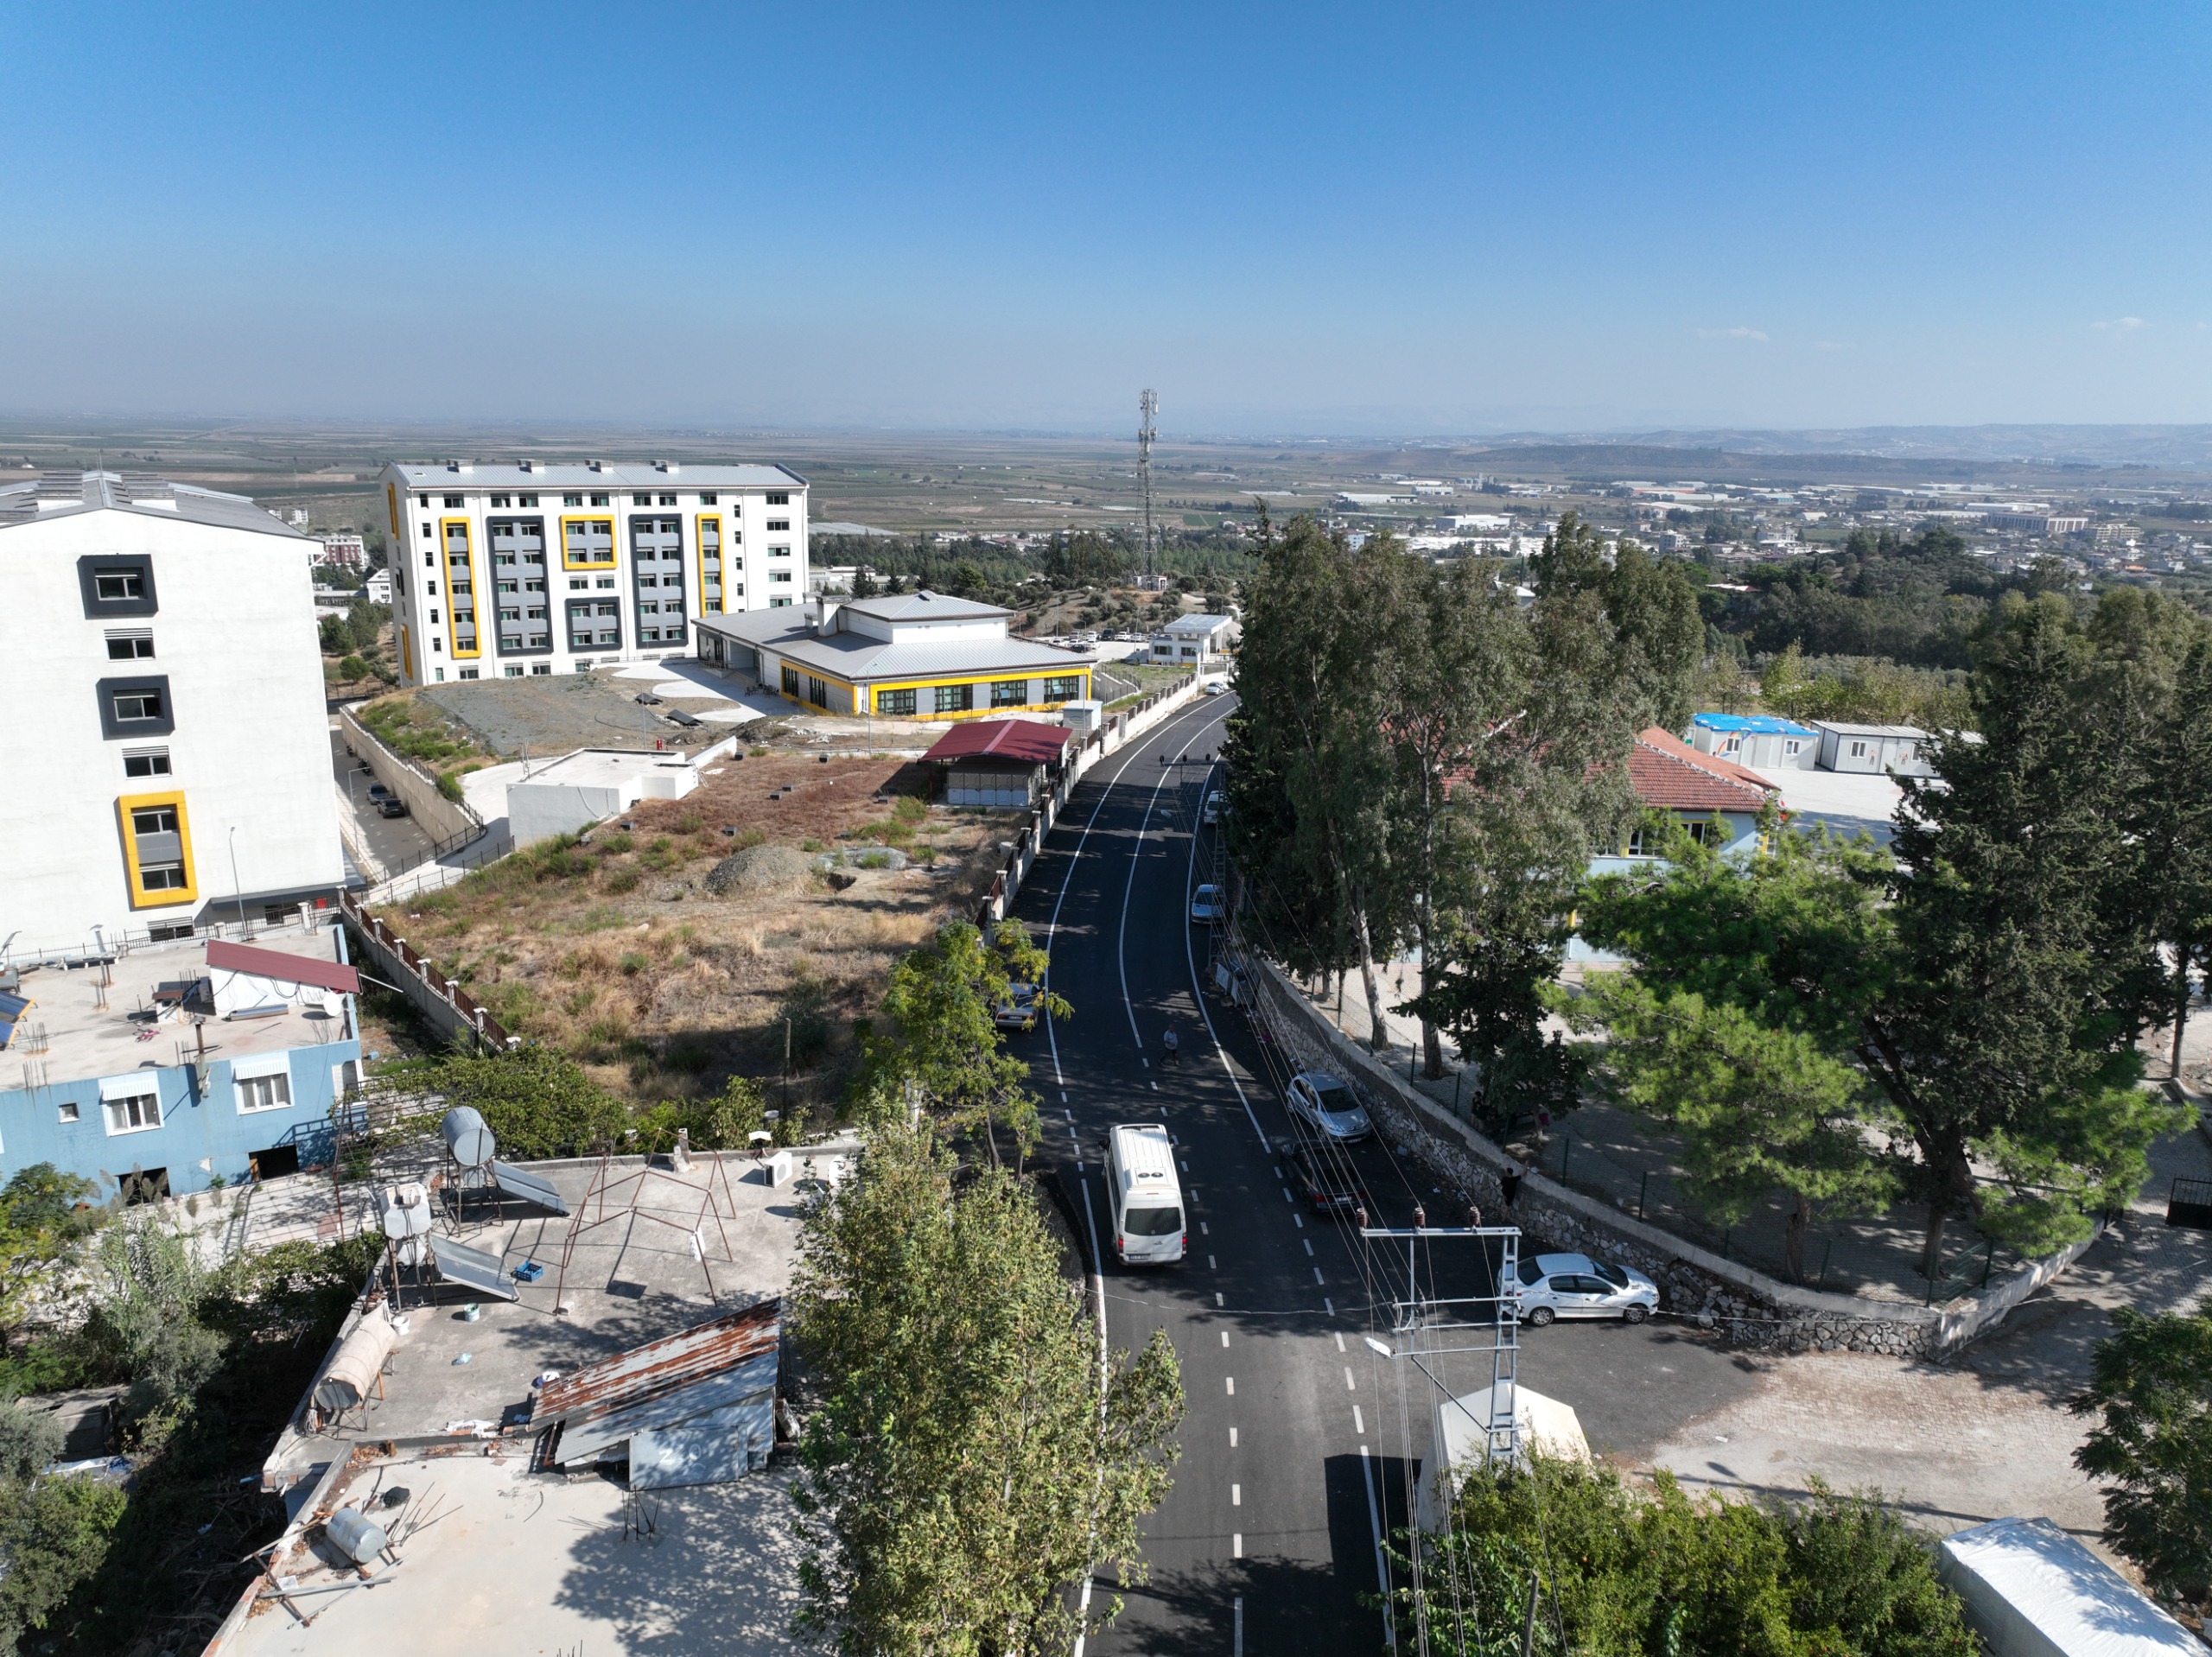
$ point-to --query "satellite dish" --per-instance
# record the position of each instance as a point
(467, 1137)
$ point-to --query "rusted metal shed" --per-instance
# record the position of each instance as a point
(694, 1407)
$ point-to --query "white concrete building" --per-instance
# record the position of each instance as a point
(378, 586)
(1198, 642)
(165, 698)
(524, 567)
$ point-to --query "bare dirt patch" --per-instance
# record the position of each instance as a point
(614, 950)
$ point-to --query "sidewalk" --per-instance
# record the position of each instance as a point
(1634, 1164)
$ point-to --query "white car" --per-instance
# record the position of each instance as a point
(1209, 903)
(1574, 1286)
(1329, 1106)
(1217, 688)
(1217, 803)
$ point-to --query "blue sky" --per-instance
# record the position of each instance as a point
(1287, 218)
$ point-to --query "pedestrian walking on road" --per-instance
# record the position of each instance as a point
(1511, 1181)
(1170, 1053)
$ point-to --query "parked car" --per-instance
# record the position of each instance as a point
(1329, 1106)
(392, 806)
(1329, 1184)
(1217, 688)
(1217, 803)
(378, 794)
(1018, 1010)
(1209, 903)
(1574, 1286)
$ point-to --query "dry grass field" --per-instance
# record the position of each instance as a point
(615, 950)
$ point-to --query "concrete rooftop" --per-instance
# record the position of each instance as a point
(84, 1039)
(630, 1279)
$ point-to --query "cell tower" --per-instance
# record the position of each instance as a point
(1148, 428)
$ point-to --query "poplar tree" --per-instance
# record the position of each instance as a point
(967, 1464)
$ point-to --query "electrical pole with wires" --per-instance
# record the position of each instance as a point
(1148, 428)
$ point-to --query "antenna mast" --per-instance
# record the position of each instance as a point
(1148, 428)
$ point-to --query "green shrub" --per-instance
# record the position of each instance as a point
(688, 1058)
(805, 1010)
(633, 963)
(613, 845)
(689, 823)
(909, 809)
(449, 786)
(622, 880)
(539, 1103)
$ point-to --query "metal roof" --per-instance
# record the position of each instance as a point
(924, 606)
(577, 474)
(283, 969)
(1751, 724)
(854, 656)
(1195, 624)
(1900, 733)
(704, 1368)
(1025, 739)
(65, 494)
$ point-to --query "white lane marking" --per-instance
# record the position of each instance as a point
(1136, 857)
(1235, 1495)
(1232, 1380)
(1098, 1286)
(1216, 1297)
(1236, 1552)
(1203, 1232)
(1232, 1437)
(1287, 1197)
(1187, 1167)
(1317, 1276)
(1278, 1173)
(1298, 1220)
(1225, 1337)
(1154, 1086)
(1358, 1422)
(1198, 990)
(1144, 1061)
(1351, 1386)
(1375, 1523)
(1308, 1241)
(1329, 1305)
(1340, 1340)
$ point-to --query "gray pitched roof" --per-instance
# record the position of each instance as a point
(61, 494)
(856, 656)
(924, 606)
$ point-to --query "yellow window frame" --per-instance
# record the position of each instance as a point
(445, 567)
(169, 896)
(722, 553)
(975, 679)
(613, 550)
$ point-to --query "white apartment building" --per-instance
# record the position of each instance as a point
(521, 567)
(165, 701)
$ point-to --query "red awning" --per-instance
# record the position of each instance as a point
(279, 968)
(1027, 740)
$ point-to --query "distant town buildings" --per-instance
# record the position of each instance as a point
(341, 551)
(525, 567)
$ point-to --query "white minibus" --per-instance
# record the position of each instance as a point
(1146, 1197)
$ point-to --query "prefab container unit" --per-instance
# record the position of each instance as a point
(1149, 1226)
(1760, 741)
(1873, 749)
(2032, 1591)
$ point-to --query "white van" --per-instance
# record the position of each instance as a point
(1148, 1225)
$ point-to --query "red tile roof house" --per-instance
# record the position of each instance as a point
(1710, 796)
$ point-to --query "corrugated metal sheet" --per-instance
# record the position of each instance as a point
(280, 967)
(711, 1449)
(709, 1366)
(1027, 740)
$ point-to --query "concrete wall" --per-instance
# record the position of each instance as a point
(538, 811)
(439, 817)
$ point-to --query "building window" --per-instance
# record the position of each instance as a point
(454, 503)
(602, 500)
(1066, 689)
(818, 692)
(134, 1114)
(124, 584)
(779, 575)
(954, 698)
(131, 706)
(777, 497)
(499, 501)
(541, 667)
(641, 500)
(791, 681)
(525, 500)
(1731, 744)
(587, 543)
(779, 526)
(468, 673)
(895, 704)
(1792, 748)
(264, 1093)
(1859, 751)
(171, 932)
(773, 604)
(426, 529)
(130, 647)
(1010, 693)
(1706, 832)
(513, 670)
(145, 762)
(68, 1111)
(710, 498)
(668, 500)
(572, 500)
(779, 552)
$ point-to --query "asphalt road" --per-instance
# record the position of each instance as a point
(1297, 1437)
(393, 841)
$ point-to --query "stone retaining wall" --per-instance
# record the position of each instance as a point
(1745, 1306)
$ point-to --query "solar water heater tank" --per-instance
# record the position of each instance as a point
(467, 1137)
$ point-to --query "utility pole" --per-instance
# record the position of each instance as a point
(1148, 428)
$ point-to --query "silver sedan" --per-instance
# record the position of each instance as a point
(1574, 1286)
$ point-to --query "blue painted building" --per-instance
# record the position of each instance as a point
(154, 1071)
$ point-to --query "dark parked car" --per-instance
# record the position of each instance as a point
(392, 806)
(1326, 1183)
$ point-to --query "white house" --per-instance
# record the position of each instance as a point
(523, 567)
(1896, 749)
(378, 586)
(165, 697)
(1198, 642)
(1761, 740)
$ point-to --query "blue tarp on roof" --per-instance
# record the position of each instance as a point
(11, 1009)
(1752, 724)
